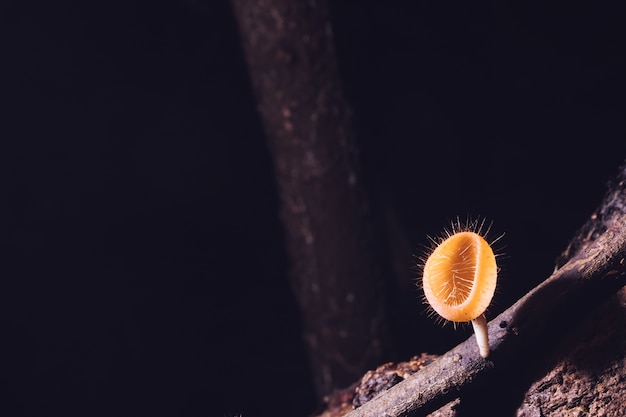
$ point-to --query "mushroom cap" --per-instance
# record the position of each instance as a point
(460, 277)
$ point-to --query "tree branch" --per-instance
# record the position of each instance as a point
(595, 268)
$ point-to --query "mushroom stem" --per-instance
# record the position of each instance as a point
(482, 336)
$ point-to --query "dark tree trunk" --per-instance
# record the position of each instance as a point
(335, 267)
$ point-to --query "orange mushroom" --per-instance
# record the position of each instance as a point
(459, 282)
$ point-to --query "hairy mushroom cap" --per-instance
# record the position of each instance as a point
(460, 277)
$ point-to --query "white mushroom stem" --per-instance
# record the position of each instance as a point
(482, 336)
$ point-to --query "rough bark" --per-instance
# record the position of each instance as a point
(591, 378)
(587, 378)
(542, 374)
(335, 267)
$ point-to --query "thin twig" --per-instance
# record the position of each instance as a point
(595, 272)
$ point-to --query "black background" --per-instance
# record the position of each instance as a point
(143, 269)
